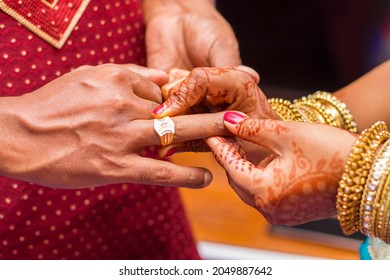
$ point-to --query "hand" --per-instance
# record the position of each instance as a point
(89, 128)
(297, 183)
(188, 34)
(210, 89)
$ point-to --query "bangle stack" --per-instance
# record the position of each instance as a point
(285, 109)
(337, 109)
(363, 193)
(319, 107)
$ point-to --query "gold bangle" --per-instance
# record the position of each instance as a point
(285, 109)
(383, 231)
(337, 108)
(378, 210)
(355, 174)
(318, 109)
(369, 205)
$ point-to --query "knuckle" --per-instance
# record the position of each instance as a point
(198, 76)
(162, 174)
(114, 72)
(83, 67)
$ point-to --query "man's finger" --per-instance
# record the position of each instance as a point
(157, 172)
(188, 127)
(157, 76)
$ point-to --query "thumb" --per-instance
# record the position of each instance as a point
(269, 133)
(255, 76)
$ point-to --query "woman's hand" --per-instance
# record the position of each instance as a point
(188, 34)
(297, 183)
(90, 127)
(211, 89)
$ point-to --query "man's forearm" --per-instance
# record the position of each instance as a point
(9, 136)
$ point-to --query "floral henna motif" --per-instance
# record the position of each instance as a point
(248, 127)
(251, 127)
(212, 89)
(310, 197)
(308, 194)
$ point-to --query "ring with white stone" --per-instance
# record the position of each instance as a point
(165, 128)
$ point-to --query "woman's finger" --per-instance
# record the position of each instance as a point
(271, 134)
(239, 170)
(197, 146)
(213, 85)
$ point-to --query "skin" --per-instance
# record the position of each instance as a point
(90, 127)
(368, 97)
(213, 89)
(187, 34)
(297, 183)
(74, 141)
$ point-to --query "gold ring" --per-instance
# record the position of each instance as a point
(165, 128)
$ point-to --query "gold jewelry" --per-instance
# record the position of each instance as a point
(383, 214)
(355, 174)
(372, 192)
(318, 112)
(165, 128)
(385, 231)
(337, 109)
(285, 109)
(378, 210)
(319, 107)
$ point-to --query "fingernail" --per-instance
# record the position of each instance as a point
(208, 177)
(234, 117)
(168, 151)
(158, 110)
(171, 152)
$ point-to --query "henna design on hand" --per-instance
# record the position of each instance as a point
(212, 89)
(294, 185)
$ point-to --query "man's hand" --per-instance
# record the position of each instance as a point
(90, 127)
(188, 34)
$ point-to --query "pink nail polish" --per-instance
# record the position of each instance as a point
(233, 117)
(158, 110)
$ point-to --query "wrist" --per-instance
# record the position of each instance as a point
(9, 136)
(152, 8)
(363, 192)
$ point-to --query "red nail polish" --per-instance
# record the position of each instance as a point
(158, 110)
(172, 151)
(233, 117)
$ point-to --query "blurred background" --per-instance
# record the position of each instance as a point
(307, 45)
(298, 47)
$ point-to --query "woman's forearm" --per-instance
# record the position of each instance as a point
(368, 98)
